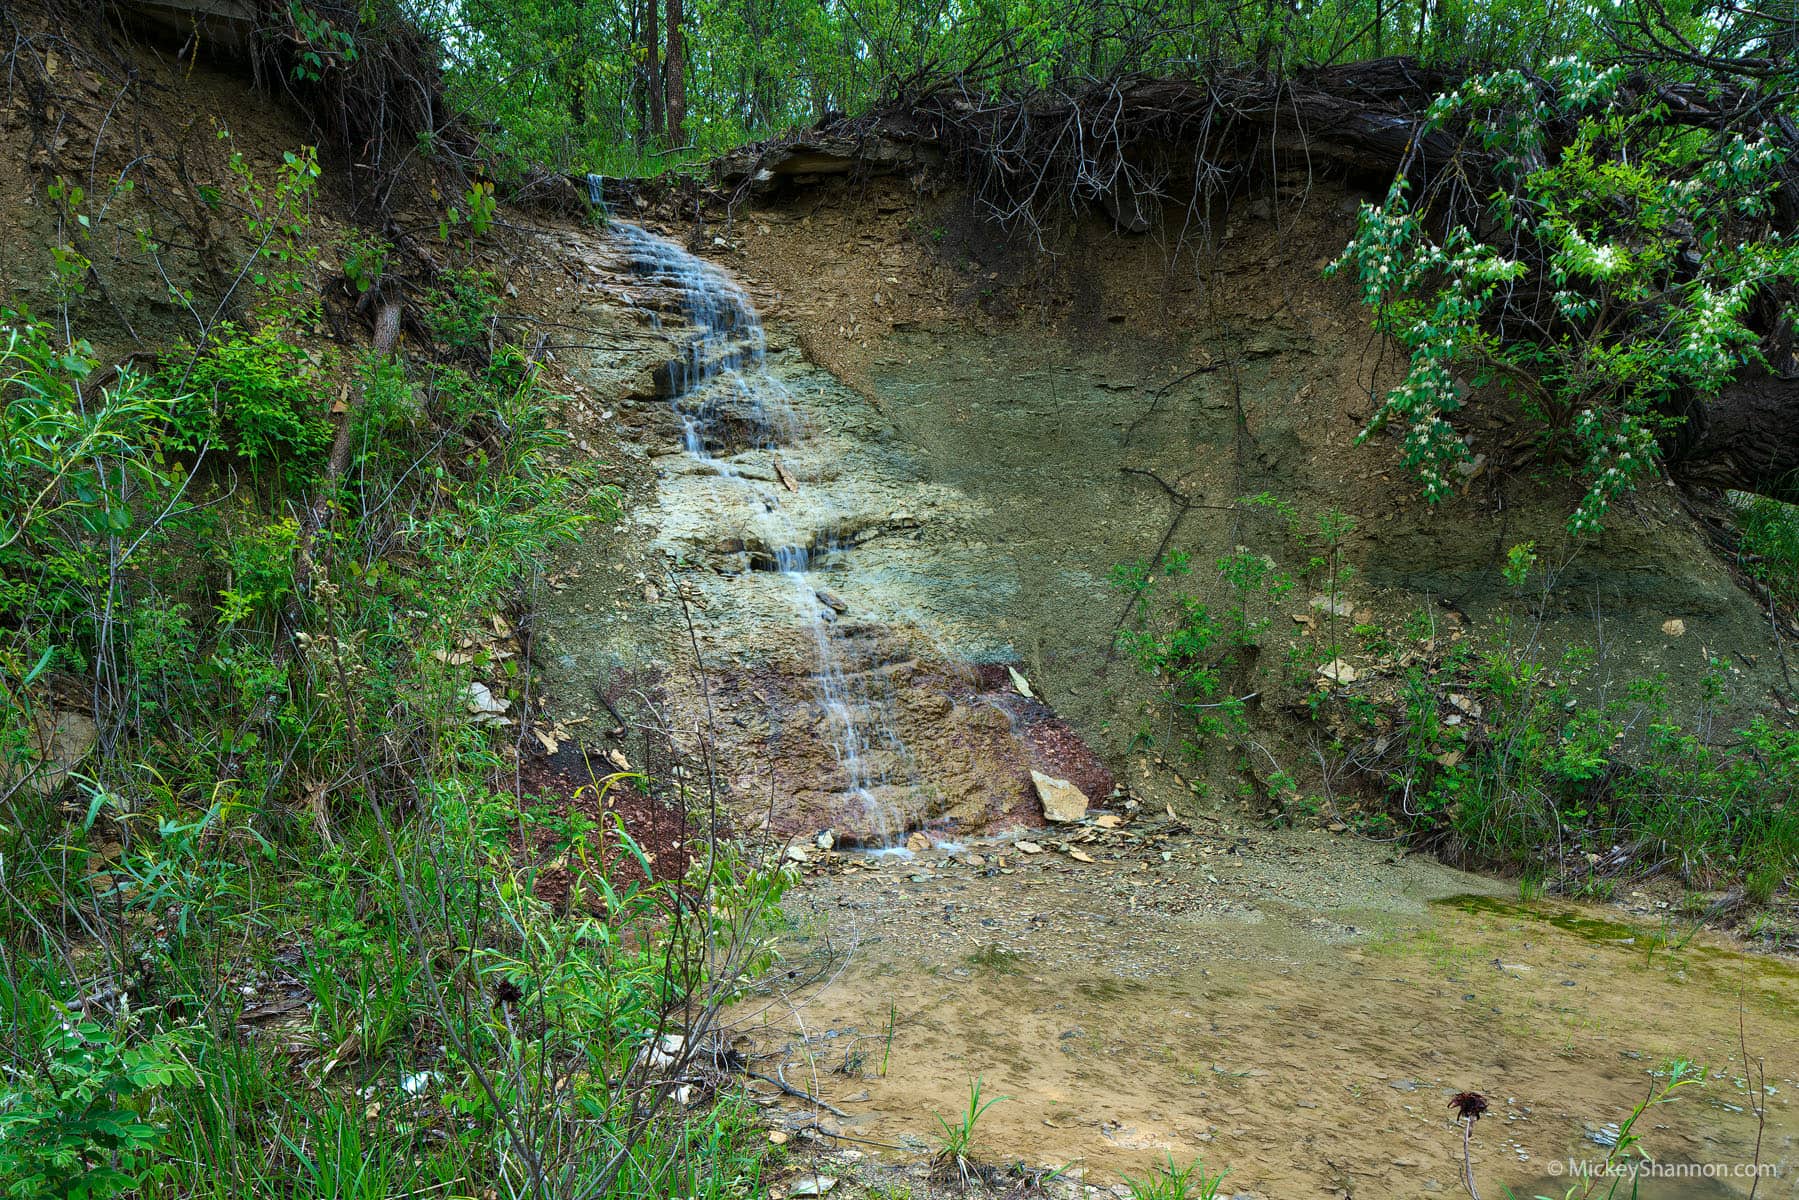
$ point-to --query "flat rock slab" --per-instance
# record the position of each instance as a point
(1062, 801)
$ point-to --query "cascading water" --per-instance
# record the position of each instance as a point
(731, 408)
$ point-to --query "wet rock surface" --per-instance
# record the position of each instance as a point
(841, 602)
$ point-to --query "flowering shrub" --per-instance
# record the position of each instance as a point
(1632, 254)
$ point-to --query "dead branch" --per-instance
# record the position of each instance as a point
(318, 514)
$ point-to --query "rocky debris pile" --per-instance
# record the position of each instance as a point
(1117, 833)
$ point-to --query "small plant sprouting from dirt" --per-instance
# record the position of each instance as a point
(855, 1062)
(1169, 1182)
(955, 1152)
(1469, 1108)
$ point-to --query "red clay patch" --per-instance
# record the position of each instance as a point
(562, 795)
(1051, 744)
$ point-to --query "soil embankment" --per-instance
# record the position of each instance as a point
(995, 432)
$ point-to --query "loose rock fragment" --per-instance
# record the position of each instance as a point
(1022, 684)
(1062, 801)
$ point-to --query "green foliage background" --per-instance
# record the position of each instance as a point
(564, 81)
(286, 790)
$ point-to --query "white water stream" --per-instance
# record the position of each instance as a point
(733, 409)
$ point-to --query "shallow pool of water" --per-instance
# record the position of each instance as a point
(1310, 1045)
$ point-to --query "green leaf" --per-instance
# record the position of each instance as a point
(93, 809)
(42, 662)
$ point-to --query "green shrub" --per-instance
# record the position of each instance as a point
(164, 654)
(1624, 261)
(1535, 770)
(77, 463)
(459, 311)
(1769, 548)
(77, 1125)
(260, 561)
(365, 261)
(260, 398)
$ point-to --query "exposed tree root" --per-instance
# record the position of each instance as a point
(1175, 153)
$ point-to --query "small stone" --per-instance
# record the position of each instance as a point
(831, 600)
(61, 741)
(1339, 607)
(1028, 847)
(1674, 627)
(1062, 801)
(811, 1185)
(825, 840)
(918, 843)
(1337, 827)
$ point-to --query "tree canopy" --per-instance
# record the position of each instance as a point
(1592, 205)
(583, 83)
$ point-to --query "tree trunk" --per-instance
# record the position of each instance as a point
(318, 514)
(674, 68)
(640, 91)
(1746, 438)
(577, 66)
(652, 68)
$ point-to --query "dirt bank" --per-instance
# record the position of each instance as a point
(1002, 428)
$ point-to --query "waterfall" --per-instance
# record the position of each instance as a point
(732, 409)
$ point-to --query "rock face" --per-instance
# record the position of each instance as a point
(1062, 801)
(832, 150)
(847, 625)
(967, 500)
(61, 740)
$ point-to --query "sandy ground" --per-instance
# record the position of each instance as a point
(1294, 1006)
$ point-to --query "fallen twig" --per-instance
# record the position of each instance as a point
(798, 1093)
